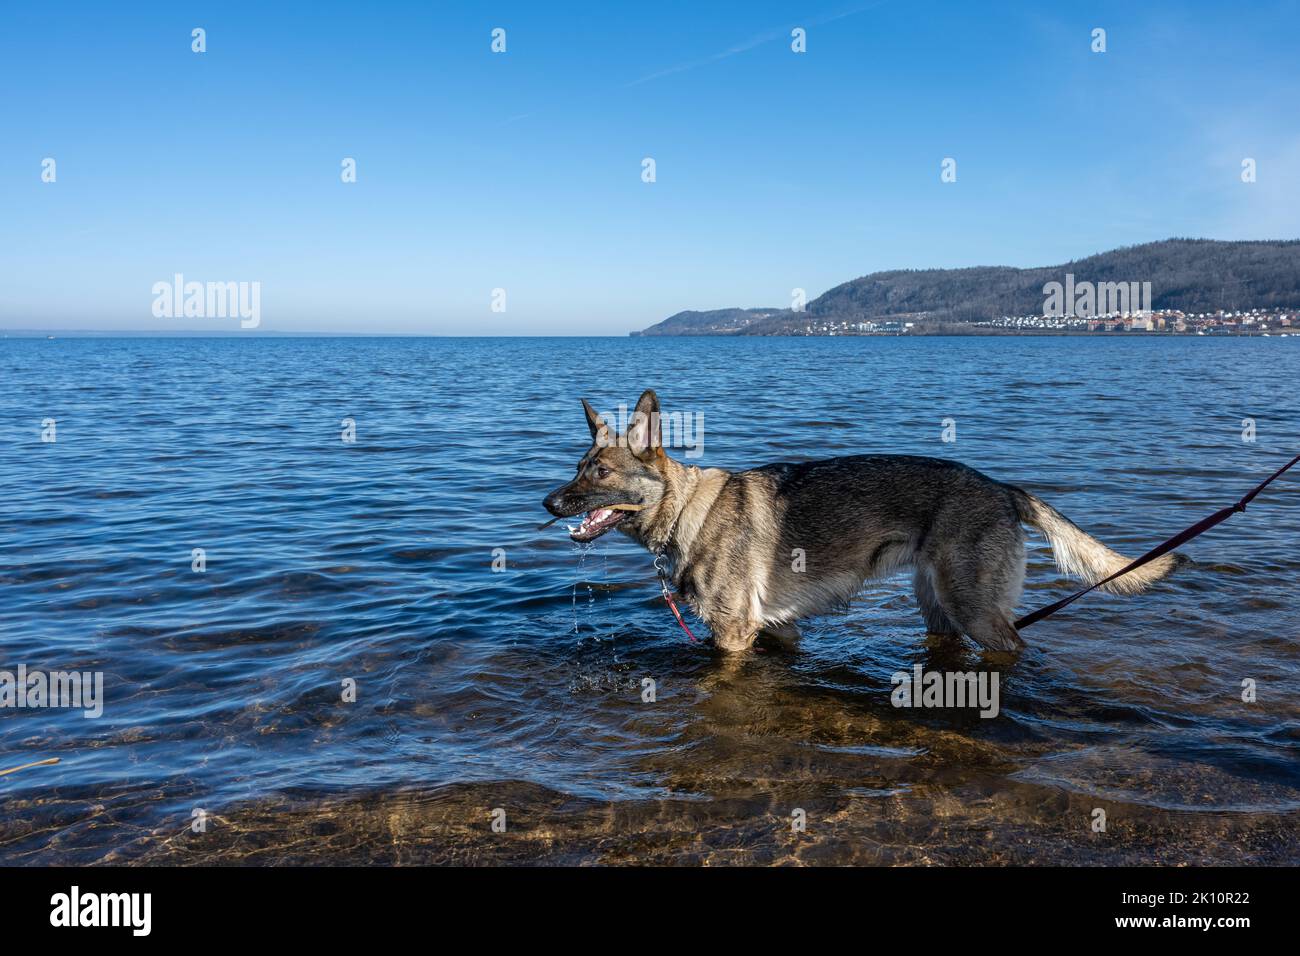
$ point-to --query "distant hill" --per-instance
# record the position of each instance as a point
(1194, 275)
(716, 322)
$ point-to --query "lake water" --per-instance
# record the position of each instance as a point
(521, 690)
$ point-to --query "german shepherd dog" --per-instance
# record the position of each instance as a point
(757, 550)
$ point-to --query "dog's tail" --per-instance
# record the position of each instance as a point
(1080, 554)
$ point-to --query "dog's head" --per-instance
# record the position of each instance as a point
(626, 469)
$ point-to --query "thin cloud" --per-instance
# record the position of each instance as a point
(750, 44)
(757, 41)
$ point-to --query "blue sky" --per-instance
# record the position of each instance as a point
(522, 170)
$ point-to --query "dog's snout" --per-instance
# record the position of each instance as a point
(554, 502)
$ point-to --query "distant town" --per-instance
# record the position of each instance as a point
(1281, 322)
(1170, 287)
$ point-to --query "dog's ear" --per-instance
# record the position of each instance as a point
(595, 423)
(644, 436)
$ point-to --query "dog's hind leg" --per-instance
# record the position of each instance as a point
(979, 617)
(977, 585)
(788, 633)
(993, 630)
(936, 621)
(733, 635)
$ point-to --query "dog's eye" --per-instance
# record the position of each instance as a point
(602, 472)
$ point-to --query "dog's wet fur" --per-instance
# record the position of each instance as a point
(757, 550)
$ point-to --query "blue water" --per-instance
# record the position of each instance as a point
(372, 561)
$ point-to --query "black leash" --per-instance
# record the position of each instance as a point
(1181, 538)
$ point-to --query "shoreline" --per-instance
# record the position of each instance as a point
(1054, 333)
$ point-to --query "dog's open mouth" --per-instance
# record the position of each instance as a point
(595, 523)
